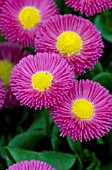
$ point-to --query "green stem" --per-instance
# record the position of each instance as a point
(47, 122)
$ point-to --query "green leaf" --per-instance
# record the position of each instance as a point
(59, 3)
(104, 23)
(9, 159)
(98, 68)
(2, 38)
(100, 141)
(24, 117)
(39, 121)
(109, 66)
(55, 139)
(105, 79)
(30, 49)
(60, 161)
(2, 143)
(27, 140)
(64, 9)
(106, 167)
(68, 10)
(87, 153)
(95, 163)
(93, 167)
(91, 73)
(77, 149)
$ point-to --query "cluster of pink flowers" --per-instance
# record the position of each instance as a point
(65, 46)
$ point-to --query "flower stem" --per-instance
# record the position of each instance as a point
(47, 122)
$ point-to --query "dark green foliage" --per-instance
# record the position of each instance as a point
(56, 159)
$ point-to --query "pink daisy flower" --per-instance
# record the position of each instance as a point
(89, 7)
(10, 54)
(43, 79)
(74, 38)
(1, 94)
(20, 19)
(85, 113)
(31, 165)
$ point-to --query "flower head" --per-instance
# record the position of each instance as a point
(20, 20)
(31, 165)
(90, 7)
(1, 94)
(10, 54)
(43, 79)
(74, 38)
(85, 113)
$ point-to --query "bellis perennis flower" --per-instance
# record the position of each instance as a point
(73, 38)
(86, 112)
(43, 79)
(20, 19)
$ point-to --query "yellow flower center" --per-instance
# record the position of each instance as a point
(42, 80)
(69, 43)
(83, 109)
(29, 17)
(5, 71)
